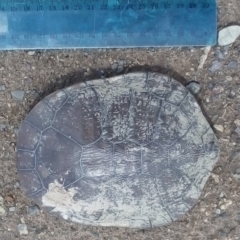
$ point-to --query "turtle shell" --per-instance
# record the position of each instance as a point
(132, 151)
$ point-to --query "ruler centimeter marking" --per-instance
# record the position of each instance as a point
(56, 24)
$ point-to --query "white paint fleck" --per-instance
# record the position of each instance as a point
(101, 210)
(22, 228)
(2, 207)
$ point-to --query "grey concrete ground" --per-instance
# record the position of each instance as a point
(27, 77)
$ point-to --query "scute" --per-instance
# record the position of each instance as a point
(190, 107)
(171, 125)
(127, 159)
(58, 158)
(56, 100)
(190, 144)
(158, 84)
(32, 181)
(176, 93)
(26, 159)
(172, 184)
(115, 123)
(154, 159)
(144, 112)
(129, 151)
(29, 136)
(42, 117)
(79, 117)
(177, 210)
(98, 163)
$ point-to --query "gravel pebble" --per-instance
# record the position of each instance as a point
(226, 204)
(114, 66)
(219, 54)
(215, 66)
(235, 154)
(12, 209)
(222, 195)
(237, 122)
(217, 89)
(3, 126)
(16, 185)
(230, 94)
(2, 208)
(236, 78)
(236, 173)
(16, 131)
(120, 69)
(122, 62)
(18, 95)
(31, 53)
(218, 127)
(34, 210)
(228, 35)
(229, 78)
(233, 64)
(215, 177)
(218, 211)
(226, 48)
(2, 88)
(194, 87)
(237, 131)
(22, 228)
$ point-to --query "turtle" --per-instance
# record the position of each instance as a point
(133, 150)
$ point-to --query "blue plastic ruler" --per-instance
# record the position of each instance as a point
(56, 24)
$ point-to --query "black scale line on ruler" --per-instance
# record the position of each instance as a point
(56, 24)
